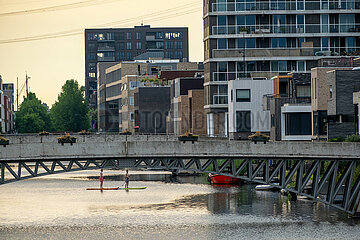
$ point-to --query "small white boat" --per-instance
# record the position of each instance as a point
(265, 187)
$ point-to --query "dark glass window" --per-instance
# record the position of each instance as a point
(298, 124)
(243, 121)
(242, 95)
(222, 43)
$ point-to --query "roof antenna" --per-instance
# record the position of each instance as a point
(142, 22)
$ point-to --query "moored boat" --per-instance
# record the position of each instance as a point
(221, 179)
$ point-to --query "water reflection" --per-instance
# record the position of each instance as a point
(185, 207)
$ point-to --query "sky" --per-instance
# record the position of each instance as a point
(45, 38)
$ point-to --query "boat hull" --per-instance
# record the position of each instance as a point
(220, 179)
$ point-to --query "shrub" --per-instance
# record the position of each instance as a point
(339, 139)
(353, 138)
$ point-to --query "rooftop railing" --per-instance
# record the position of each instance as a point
(285, 29)
(284, 6)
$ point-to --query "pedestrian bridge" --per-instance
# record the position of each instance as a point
(327, 172)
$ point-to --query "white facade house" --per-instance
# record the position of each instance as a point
(296, 122)
(246, 113)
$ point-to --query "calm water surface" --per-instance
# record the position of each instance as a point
(59, 207)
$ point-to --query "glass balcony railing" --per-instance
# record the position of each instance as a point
(283, 52)
(227, 76)
(284, 6)
(285, 29)
(220, 99)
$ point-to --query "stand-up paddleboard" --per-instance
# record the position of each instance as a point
(101, 189)
(132, 188)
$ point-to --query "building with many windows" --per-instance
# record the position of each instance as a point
(7, 112)
(262, 39)
(124, 44)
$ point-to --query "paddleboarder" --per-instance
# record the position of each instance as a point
(127, 179)
(101, 178)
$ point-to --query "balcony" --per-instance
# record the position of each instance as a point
(263, 52)
(106, 48)
(220, 99)
(227, 76)
(106, 59)
(284, 6)
(285, 52)
(285, 29)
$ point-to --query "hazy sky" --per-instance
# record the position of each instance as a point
(55, 58)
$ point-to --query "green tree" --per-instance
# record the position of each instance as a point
(32, 116)
(70, 111)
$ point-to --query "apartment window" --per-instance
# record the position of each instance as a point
(347, 22)
(297, 124)
(92, 75)
(178, 45)
(221, 20)
(169, 45)
(91, 46)
(243, 121)
(324, 44)
(92, 67)
(350, 44)
(121, 36)
(242, 95)
(300, 23)
(300, 41)
(128, 45)
(132, 116)
(246, 43)
(113, 105)
(92, 56)
(222, 43)
(221, 5)
(278, 43)
(178, 54)
(134, 84)
(301, 66)
(169, 54)
(279, 23)
(121, 55)
(303, 91)
(138, 45)
(278, 66)
(220, 94)
(132, 101)
(129, 55)
(128, 35)
(159, 45)
(251, 66)
(138, 35)
(110, 36)
(120, 45)
(247, 20)
(92, 36)
(159, 35)
(113, 119)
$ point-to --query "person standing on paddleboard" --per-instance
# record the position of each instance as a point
(101, 178)
(127, 179)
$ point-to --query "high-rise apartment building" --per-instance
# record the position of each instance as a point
(261, 39)
(125, 44)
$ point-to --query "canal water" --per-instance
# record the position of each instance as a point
(186, 207)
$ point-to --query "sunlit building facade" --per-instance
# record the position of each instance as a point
(262, 39)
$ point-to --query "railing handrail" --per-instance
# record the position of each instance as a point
(285, 5)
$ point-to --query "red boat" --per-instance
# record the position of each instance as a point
(221, 179)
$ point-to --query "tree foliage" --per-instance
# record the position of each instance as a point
(70, 111)
(32, 116)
